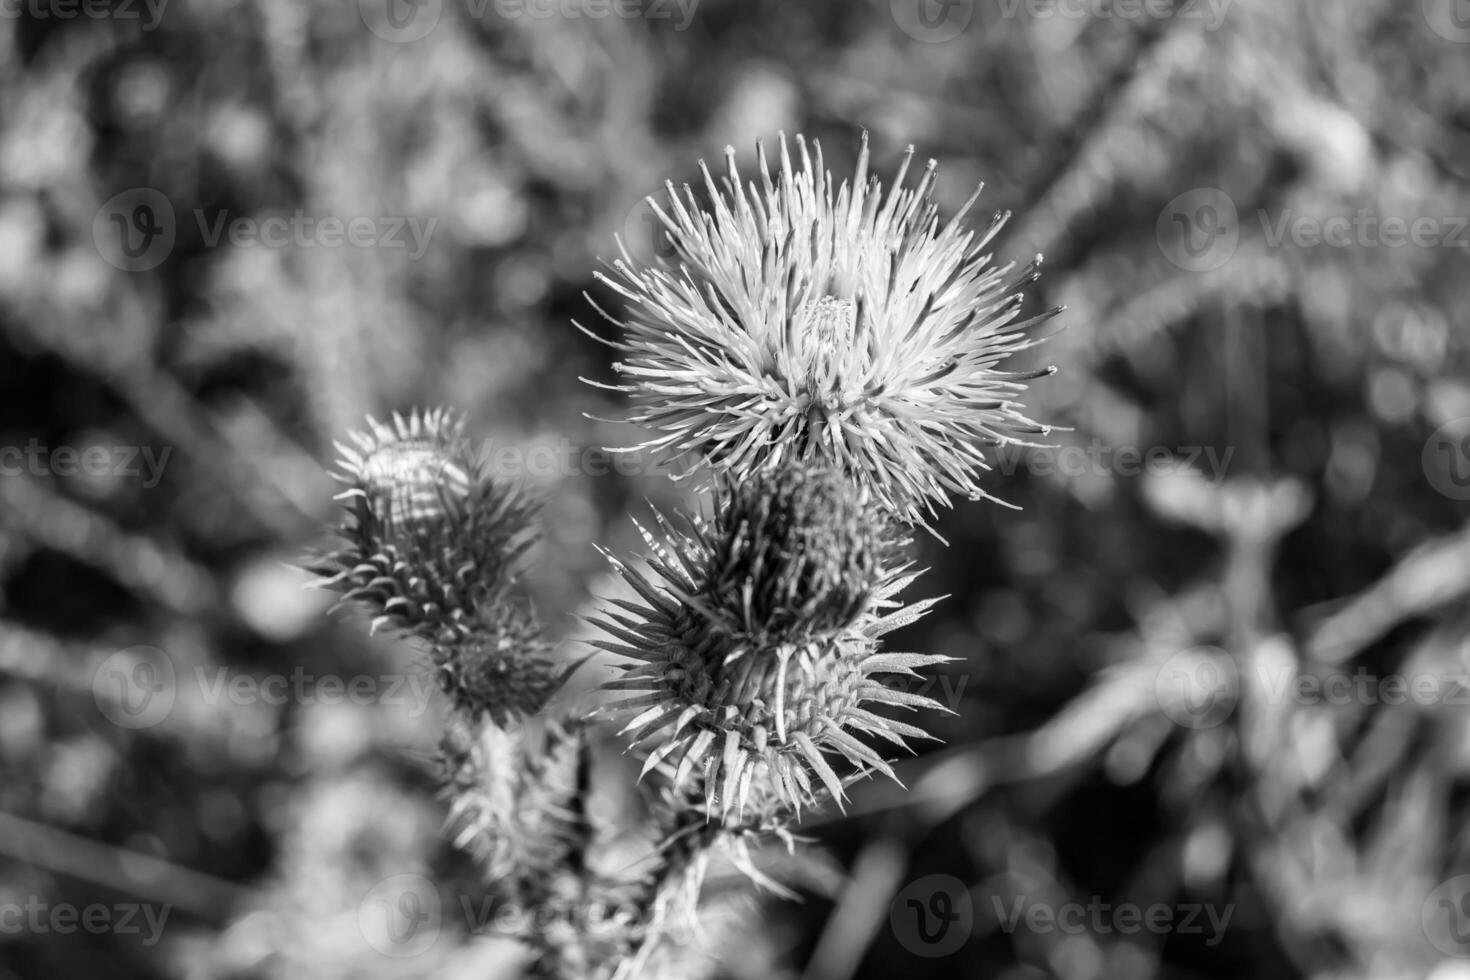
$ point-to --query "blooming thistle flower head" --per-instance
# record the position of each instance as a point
(842, 324)
(755, 646)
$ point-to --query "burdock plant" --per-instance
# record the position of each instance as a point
(828, 361)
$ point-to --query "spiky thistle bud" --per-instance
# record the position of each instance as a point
(850, 327)
(431, 540)
(431, 548)
(504, 667)
(728, 683)
(795, 553)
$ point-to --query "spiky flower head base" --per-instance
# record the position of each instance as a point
(431, 549)
(847, 326)
(729, 684)
(430, 537)
(795, 552)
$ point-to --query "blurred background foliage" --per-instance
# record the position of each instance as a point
(1068, 772)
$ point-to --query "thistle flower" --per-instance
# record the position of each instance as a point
(432, 546)
(728, 684)
(851, 327)
(431, 539)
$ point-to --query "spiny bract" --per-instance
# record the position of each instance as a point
(852, 327)
(516, 798)
(752, 708)
(795, 553)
